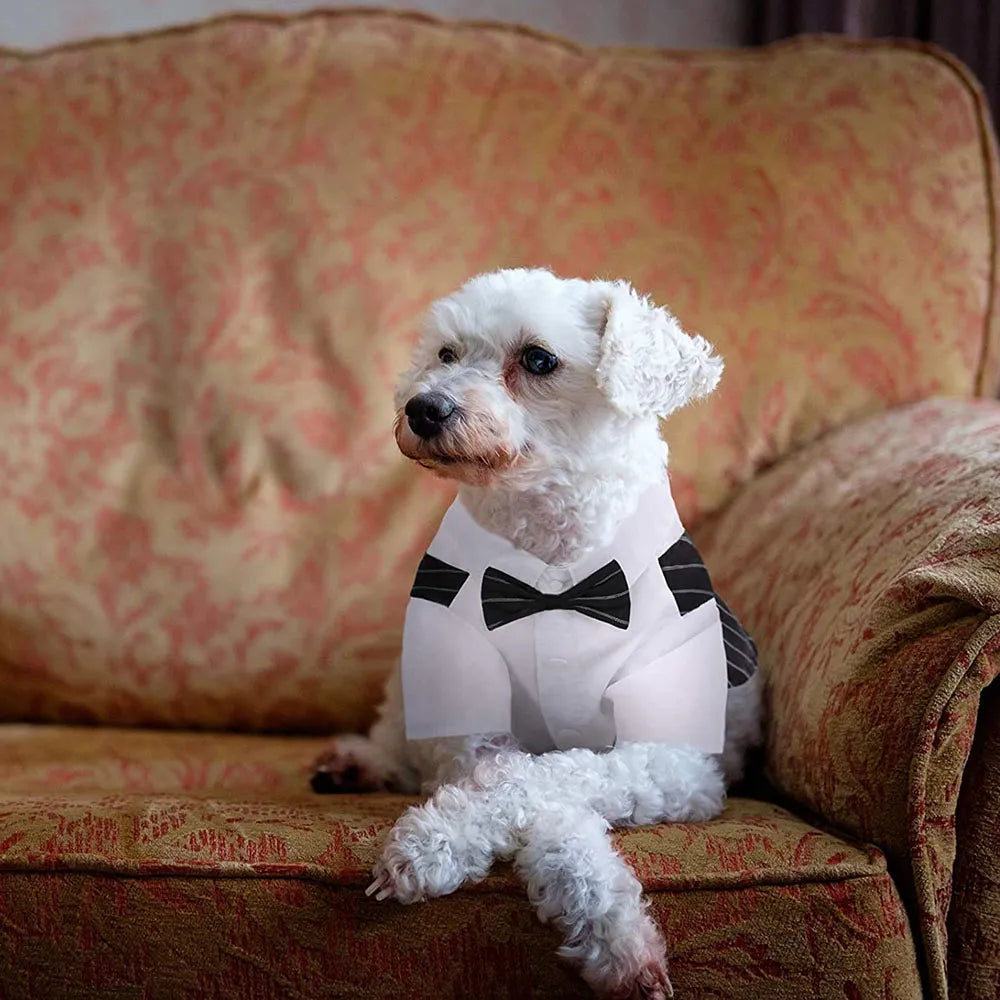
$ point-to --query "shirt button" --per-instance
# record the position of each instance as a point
(567, 738)
(554, 581)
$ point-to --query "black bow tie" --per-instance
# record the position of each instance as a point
(603, 595)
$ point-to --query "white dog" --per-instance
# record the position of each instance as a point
(542, 397)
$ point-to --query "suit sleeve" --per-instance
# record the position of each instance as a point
(455, 682)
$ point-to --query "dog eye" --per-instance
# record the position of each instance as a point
(538, 361)
(447, 356)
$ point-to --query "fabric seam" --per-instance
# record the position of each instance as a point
(815, 39)
(474, 889)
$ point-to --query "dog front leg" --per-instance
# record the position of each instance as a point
(577, 881)
(636, 784)
(575, 878)
(633, 784)
(457, 834)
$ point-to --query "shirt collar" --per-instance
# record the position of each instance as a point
(642, 537)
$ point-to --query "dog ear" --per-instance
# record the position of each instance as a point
(648, 365)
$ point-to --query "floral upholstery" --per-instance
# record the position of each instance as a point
(215, 246)
(225, 238)
(127, 839)
(872, 581)
(974, 913)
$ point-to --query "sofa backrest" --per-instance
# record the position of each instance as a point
(216, 245)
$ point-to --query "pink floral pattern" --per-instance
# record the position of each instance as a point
(868, 568)
(126, 839)
(974, 911)
(215, 247)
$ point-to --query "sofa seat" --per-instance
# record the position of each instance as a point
(121, 847)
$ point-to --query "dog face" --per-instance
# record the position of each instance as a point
(520, 372)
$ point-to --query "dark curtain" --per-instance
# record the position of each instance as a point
(970, 29)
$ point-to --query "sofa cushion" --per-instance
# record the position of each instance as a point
(215, 245)
(190, 862)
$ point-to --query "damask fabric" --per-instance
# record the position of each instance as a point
(215, 245)
(174, 864)
(974, 914)
(872, 583)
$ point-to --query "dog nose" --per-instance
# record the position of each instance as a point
(428, 413)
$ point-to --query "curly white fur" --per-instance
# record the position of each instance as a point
(554, 467)
(648, 363)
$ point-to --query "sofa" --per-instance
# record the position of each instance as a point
(216, 244)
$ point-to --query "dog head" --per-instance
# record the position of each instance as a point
(520, 372)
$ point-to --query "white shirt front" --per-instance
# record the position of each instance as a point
(558, 678)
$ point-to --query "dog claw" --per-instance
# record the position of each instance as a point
(378, 885)
(380, 888)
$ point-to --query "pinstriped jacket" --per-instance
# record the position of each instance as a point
(631, 643)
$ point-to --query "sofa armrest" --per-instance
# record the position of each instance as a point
(867, 568)
(974, 915)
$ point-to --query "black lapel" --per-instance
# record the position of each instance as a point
(689, 582)
(437, 581)
(741, 651)
(686, 575)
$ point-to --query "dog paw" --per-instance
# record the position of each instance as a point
(653, 981)
(346, 765)
(400, 880)
(407, 877)
(630, 965)
(418, 861)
